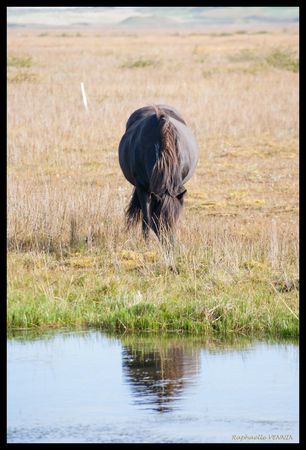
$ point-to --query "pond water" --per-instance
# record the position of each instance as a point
(89, 387)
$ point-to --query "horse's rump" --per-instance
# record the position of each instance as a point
(155, 164)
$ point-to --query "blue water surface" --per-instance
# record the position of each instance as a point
(88, 387)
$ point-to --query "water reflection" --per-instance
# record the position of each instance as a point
(88, 387)
(158, 376)
(159, 370)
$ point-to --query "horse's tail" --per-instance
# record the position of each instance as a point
(166, 180)
(133, 211)
(166, 175)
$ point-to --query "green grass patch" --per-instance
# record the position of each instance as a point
(241, 32)
(46, 291)
(283, 59)
(23, 61)
(259, 32)
(222, 34)
(139, 63)
(23, 77)
(279, 58)
(244, 55)
(259, 314)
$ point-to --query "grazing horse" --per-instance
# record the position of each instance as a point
(157, 154)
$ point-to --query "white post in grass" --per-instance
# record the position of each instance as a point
(84, 96)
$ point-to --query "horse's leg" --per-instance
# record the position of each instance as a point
(154, 218)
(143, 197)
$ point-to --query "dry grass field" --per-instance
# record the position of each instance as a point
(70, 260)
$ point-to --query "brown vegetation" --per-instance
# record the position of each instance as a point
(238, 93)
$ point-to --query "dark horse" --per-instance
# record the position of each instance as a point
(157, 154)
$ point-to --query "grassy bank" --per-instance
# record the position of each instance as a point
(136, 292)
(70, 260)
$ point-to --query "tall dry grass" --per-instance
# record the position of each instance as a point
(238, 93)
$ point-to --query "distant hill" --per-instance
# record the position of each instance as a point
(151, 17)
(149, 21)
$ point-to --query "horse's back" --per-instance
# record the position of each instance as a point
(150, 110)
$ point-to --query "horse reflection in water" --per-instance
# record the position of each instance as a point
(158, 376)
